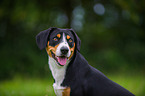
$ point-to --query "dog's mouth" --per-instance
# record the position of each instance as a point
(61, 60)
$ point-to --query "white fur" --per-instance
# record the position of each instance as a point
(58, 73)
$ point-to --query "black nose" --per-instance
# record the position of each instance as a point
(64, 50)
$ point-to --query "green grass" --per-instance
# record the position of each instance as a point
(134, 83)
(20, 86)
(27, 87)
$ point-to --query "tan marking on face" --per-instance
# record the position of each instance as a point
(72, 51)
(58, 35)
(51, 48)
(70, 40)
(67, 37)
(66, 92)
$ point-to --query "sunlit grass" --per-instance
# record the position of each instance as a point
(20, 86)
(27, 87)
(134, 83)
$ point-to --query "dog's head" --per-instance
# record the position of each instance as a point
(60, 44)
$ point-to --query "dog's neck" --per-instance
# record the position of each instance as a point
(58, 72)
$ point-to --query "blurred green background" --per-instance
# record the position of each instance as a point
(112, 34)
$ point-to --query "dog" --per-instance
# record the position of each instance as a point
(72, 74)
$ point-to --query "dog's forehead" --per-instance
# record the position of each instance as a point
(60, 31)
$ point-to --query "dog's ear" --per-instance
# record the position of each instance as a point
(77, 39)
(42, 37)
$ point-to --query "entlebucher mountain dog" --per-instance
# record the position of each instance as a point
(72, 74)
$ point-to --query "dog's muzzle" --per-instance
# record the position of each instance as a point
(62, 55)
(63, 58)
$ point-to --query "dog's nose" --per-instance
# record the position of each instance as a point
(64, 50)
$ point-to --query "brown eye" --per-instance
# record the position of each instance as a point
(70, 40)
(55, 39)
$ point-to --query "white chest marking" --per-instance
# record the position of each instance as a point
(58, 73)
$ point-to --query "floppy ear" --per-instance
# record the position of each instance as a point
(42, 38)
(77, 40)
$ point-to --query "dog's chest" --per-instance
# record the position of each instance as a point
(58, 74)
(61, 91)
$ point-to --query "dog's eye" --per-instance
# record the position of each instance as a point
(55, 39)
(70, 40)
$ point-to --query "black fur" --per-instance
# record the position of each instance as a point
(42, 38)
(83, 79)
(77, 40)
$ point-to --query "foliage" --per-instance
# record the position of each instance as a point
(111, 31)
